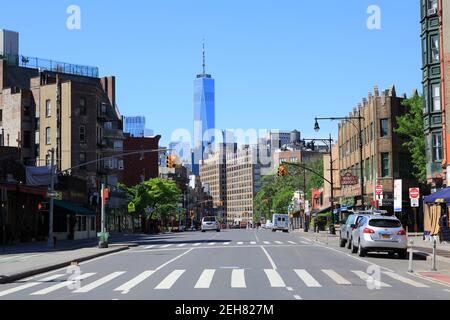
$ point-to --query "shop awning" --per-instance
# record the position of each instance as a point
(442, 196)
(74, 208)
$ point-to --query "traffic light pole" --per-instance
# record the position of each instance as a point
(103, 242)
(51, 241)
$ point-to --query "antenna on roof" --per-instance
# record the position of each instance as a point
(204, 60)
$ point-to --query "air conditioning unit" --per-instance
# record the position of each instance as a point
(121, 167)
(432, 11)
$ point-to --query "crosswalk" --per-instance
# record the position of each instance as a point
(238, 279)
(224, 244)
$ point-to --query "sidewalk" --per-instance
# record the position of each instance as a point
(25, 260)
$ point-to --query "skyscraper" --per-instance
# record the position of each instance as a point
(135, 126)
(204, 115)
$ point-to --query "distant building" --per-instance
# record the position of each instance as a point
(135, 126)
(204, 115)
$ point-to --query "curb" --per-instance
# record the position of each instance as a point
(27, 274)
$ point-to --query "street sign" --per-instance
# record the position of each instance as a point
(57, 195)
(131, 207)
(415, 203)
(414, 193)
(398, 195)
(379, 190)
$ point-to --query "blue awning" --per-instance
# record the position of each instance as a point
(442, 196)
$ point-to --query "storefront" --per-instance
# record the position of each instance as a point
(435, 207)
(73, 222)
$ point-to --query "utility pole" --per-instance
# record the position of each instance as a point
(333, 231)
(103, 237)
(361, 145)
(51, 242)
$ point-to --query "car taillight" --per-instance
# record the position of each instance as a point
(402, 233)
(368, 230)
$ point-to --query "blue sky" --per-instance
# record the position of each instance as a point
(277, 64)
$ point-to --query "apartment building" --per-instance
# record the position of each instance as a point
(384, 157)
(243, 177)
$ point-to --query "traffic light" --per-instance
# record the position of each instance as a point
(43, 206)
(105, 195)
(282, 172)
(171, 162)
(311, 146)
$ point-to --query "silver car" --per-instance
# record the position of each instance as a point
(345, 234)
(210, 223)
(379, 234)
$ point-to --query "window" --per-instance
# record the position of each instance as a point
(368, 175)
(435, 49)
(27, 111)
(47, 136)
(47, 160)
(385, 165)
(92, 223)
(384, 128)
(82, 161)
(27, 139)
(425, 102)
(48, 108)
(432, 4)
(436, 92)
(437, 146)
(82, 134)
(82, 108)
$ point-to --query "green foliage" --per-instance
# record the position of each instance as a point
(276, 192)
(410, 126)
(161, 195)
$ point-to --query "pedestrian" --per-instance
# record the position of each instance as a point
(444, 230)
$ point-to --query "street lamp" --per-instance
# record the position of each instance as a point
(359, 128)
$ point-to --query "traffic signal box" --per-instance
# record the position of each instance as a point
(43, 206)
(282, 172)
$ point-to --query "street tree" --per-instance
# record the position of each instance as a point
(410, 126)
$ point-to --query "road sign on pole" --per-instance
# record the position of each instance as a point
(398, 195)
(379, 190)
(414, 195)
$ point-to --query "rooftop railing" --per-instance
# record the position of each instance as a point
(50, 65)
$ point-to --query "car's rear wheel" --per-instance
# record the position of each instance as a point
(342, 243)
(349, 243)
(354, 248)
(203, 230)
(361, 250)
(218, 230)
(403, 254)
(273, 230)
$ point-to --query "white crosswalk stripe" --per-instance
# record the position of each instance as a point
(204, 282)
(197, 244)
(238, 278)
(182, 245)
(30, 285)
(278, 242)
(274, 278)
(61, 285)
(364, 276)
(166, 246)
(149, 247)
(99, 282)
(253, 242)
(240, 243)
(307, 278)
(406, 280)
(292, 242)
(170, 280)
(336, 277)
(226, 243)
(305, 242)
(266, 242)
(212, 243)
(135, 281)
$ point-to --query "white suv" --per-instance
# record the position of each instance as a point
(210, 223)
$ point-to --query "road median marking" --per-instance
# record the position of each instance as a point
(272, 263)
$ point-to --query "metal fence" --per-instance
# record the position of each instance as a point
(50, 65)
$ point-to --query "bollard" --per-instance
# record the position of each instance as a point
(411, 255)
(433, 266)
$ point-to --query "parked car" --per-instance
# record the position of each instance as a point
(280, 222)
(377, 233)
(346, 230)
(210, 223)
(268, 225)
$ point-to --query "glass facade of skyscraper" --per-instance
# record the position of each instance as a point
(135, 126)
(204, 116)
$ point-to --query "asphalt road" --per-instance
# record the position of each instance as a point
(230, 265)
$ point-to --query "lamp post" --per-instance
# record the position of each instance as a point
(359, 128)
(329, 143)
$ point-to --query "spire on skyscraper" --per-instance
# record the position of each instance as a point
(204, 60)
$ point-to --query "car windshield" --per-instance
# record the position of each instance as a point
(209, 219)
(385, 223)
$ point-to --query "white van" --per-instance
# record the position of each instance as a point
(280, 222)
